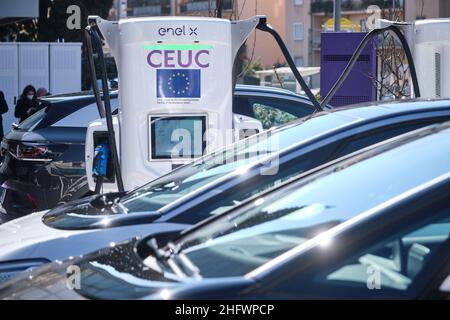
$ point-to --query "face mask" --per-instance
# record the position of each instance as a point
(30, 97)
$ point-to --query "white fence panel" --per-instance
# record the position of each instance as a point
(65, 67)
(33, 65)
(9, 80)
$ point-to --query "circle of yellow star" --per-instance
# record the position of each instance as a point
(174, 77)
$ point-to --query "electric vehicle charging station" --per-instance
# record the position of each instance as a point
(176, 78)
(432, 40)
(171, 72)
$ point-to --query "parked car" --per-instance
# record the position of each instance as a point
(373, 225)
(44, 155)
(209, 185)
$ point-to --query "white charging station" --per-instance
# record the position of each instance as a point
(429, 41)
(176, 93)
(432, 56)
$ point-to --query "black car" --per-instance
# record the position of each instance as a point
(44, 155)
(373, 225)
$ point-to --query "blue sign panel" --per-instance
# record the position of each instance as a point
(178, 83)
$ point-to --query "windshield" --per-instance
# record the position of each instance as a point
(241, 241)
(191, 177)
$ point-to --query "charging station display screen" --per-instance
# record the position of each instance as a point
(178, 137)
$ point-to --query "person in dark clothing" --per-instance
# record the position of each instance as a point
(27, 104)
(3, 110)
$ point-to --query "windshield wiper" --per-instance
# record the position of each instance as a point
(104, 202)
(177, 261)
(177, 256)
(117, 204)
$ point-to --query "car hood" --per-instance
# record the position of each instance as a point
(115, 272)
(22, 236)
(30, 238)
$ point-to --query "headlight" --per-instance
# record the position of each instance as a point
(11, 268)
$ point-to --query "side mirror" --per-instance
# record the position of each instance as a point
(15, 126)
(445, 286)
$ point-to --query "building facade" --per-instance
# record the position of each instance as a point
(299, 22)
(426, 9)
(263, 50)
(353, 19)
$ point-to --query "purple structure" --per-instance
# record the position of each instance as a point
(336, 50)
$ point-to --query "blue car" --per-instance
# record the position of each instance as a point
(372, 225)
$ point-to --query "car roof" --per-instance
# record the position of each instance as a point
(240, 88)
(362, 111)
(369, 109)
(244, 87)
(356, 110)
(82, 95)
(373, 110)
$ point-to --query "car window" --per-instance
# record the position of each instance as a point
(364, 139)
(244, 239)
(242, 106)
(82, 117)
(252, 183)
(394, 262)
(275, 112)
(306, 161)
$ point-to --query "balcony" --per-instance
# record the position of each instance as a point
(193, 6)
(327, 6)
(151, 11)
(149, 7)
(322, 7)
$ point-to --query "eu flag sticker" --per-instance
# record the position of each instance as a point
(178, 83)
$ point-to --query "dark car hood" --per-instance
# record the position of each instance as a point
(89, 213)
(116, 272)
(111, 273)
